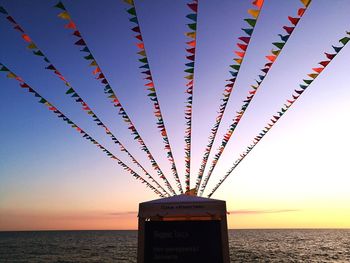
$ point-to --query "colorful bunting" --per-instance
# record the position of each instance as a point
(152, 92)
(280, 113)
(230, 84)
(271, 59)
(84, 134)
(113, 97)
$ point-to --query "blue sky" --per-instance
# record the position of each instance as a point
(45, 165)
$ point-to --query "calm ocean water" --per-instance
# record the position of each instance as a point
(120, 246)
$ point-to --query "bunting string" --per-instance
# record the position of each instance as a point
(243, 45)
(100, 76)
(191, 55)
(297, 93)
(73, 93)
(59, 114)
(271, 58)
(151, 89)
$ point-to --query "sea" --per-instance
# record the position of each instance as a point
(275, 245)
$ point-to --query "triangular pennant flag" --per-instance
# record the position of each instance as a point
(64, 15)
(254, 13)
(2, 10)
(279, 45)
(250, 21)
(80, 42)
(294, 20)
(344, 40)
(301, 11)
(288, 29)
(192, 17)
(258, 3)
(193, 7)
(60, 5)
(324, 63)
(244, 39)
(248, 31)
(132, 11)
(32, 46)
(306, 2)
(192, 26)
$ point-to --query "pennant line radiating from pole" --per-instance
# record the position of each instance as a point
(109, 91)
(234, 71)
(191, 55)
(151, 89)
(271, 58)
(297, 93)
(84, 134)
(74, 94)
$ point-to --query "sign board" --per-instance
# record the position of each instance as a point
(183, 241)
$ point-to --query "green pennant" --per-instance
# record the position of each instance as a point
(236, 67)
(143, 60)
(308, 81)
(75, 95)
(69, 91)
(2, 10)
(89, 57)
(344, 40)
(280, 45)
(42, 100)
(38, 53)
(132, 11)
(152, 94)
(60, 5)
(250, 21)
(192, 26)
(3, 68)
(190, 70)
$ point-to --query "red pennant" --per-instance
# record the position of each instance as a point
(193, 6)
(139, 37)
(242, 46)
(301, 11)
(77, 33)
(191, 50)
(288, 29)
(324, 63)
(318, 70)
(140, 45)
(190, 57)
(294, 20)
(244, 39)
(240, 54)
(71, 25)
(191, 43)
(24, 85)
(151, 84)
(272, 58)
(136, 29)
(330, 56)
(9, 18)
(80, 42)
(268, 65)
(26, 38)
(97, 70)
(17, 27)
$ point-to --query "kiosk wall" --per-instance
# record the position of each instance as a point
(183, 229)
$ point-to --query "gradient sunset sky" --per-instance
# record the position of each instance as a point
(298, 175)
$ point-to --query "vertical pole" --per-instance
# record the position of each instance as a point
(141, 240)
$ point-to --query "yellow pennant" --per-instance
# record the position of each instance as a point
(238, 60)
(191, 34)
(11, 75)
(142, 53)
(64, 15)
(32, 46)
(253, 12)
(275, 52)
(306, 2)
(313, 75)
(189, 76)
(93, 63)
(130, 2)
